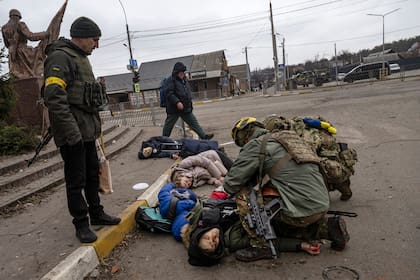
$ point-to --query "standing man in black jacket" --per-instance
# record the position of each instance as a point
(179, 103)
(73, 97)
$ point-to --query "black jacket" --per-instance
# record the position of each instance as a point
(178, 90)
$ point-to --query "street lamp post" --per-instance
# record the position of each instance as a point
(132, 65)
(275, 58)
(383, 35)
(284, 61)
(128, 34)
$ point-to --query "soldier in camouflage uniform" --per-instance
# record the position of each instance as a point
(337, 160)
(297, 182)
(73, 98)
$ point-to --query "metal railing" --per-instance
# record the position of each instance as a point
(131, 114)
(140, 114)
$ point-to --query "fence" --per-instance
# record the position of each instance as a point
(137, 114)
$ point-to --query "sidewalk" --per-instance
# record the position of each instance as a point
(35, 241)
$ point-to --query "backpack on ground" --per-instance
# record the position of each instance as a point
(149, 218)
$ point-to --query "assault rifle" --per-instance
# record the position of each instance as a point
(259, 219)
(44, 141)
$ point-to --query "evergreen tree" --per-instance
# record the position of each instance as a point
(7, 97)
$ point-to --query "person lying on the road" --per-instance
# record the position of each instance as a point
(285, 165)
(176, 200)
(206, 168)
(210, 233)
(204, 231)
(163, 146)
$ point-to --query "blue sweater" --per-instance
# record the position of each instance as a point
(187, 200)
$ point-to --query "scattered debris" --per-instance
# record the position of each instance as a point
(115, 269)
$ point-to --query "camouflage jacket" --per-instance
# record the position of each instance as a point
(301, 186)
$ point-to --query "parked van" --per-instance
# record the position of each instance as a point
(366, 71)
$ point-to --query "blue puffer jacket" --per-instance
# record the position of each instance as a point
(187, 200)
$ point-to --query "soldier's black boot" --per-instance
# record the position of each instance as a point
(253, 254)
(337, 233)
(104, 219)
(208, 136)
(344, 189)
(86, 235)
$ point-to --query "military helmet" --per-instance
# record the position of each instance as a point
(14, 12)
(242, 129)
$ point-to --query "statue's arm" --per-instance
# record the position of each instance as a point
(5, 41)
(23, 28)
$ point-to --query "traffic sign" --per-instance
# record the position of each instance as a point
(136, 87)
(133, 63)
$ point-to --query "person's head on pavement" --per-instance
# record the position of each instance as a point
(206, 246)
(147, 152)
(183, 179)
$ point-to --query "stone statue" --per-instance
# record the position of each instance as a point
(26, 61)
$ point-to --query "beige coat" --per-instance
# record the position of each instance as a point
(206, 168)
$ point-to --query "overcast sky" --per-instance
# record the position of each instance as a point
(163, 29)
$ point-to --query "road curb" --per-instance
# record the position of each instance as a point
(84, 260)
(76, 266)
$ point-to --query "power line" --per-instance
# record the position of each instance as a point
(339, 40)
(219, 25)
(222, 23)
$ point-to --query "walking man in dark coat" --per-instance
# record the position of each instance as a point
(179, 103)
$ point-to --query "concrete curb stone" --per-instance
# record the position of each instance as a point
(84, 260)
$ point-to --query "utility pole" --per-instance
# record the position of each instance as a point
(248, 75)
(383, 37)
(132, 63)
(336, 66)
(275, 58)
(284, 65)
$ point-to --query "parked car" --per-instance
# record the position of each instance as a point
(366, 71)
(340, 76)
(394, 68)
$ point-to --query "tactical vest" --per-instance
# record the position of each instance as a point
(336, 160)
(295, 146)
(84, 91)
(333, 171)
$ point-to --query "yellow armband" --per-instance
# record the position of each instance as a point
(55, 81)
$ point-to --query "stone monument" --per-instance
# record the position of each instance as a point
(26, 64)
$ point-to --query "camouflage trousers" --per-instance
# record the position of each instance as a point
(309, 228)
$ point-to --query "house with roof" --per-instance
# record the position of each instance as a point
(207, 74)
(240, 75)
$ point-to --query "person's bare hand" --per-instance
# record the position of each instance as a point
(175, 156)
(218, 182)
(180, 106)
(312, 249)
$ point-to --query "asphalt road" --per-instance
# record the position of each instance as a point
(380, 120)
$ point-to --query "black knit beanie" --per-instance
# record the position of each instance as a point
(84, 27)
